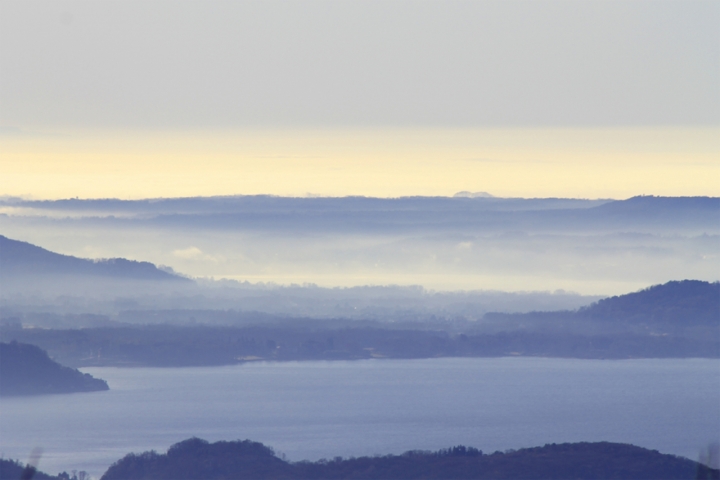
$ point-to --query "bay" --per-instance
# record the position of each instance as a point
(312, 410)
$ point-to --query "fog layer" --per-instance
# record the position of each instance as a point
(590, 247)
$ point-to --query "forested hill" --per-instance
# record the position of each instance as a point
(14, 470)
(688, 301)
(28, 370)
(22, 258)
(196, 458)
(689, 308)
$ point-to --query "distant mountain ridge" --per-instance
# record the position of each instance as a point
(650, 210)
(645, 202)
(414, 214)
(371, 211)
(22, 258)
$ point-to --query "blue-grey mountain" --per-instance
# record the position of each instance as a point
(22, 258)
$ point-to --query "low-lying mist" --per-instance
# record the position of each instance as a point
(60, 301)
(597, 247)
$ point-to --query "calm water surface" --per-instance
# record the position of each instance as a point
(311, 410)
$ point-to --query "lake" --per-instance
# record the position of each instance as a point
(312, 410)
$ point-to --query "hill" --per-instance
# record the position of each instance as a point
(196, 458)
(22, 258)
(687, 301)
(688, 309)
(28, 370)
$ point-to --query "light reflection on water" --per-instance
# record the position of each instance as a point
(311, 410)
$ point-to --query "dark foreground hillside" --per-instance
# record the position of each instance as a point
(14, 470)
(197, 459)
(27, 370)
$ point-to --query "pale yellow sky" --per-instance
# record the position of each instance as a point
(582, 163)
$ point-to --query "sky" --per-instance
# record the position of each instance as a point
(137, 99)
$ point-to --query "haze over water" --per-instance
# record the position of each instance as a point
(312, 410)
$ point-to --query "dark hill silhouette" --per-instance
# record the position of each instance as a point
(196, 458)
(28, 370)
(22, 258)
(14, 470)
